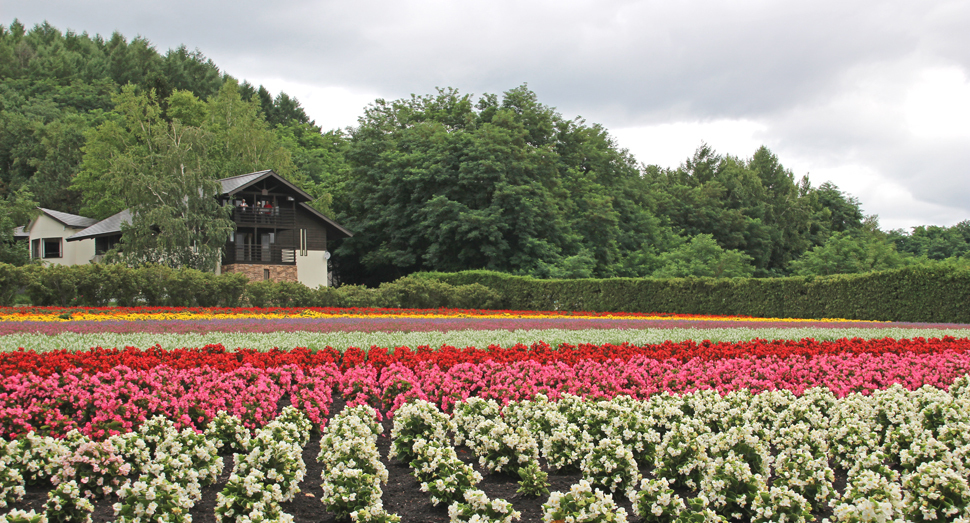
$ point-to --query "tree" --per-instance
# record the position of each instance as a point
(702, 256)
(161, 171)
(16, 211)
(445, 182)
(850, 252)
(177, 219)
(934, 242)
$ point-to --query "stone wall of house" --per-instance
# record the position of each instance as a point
(257, 272)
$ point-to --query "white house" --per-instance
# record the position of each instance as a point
(48, 233)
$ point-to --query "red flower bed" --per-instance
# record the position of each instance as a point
(218, 357)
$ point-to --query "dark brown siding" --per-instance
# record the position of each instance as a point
(316, 231)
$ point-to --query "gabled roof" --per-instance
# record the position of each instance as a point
(334, 224)
(19, 232)
(106, 227)
(234, 184)
(70, 220)
(112, 224)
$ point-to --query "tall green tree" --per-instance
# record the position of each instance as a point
(934, 242)
(15, 211)
(159, 170)
(163, 165)
(445, 182)
(701, 256)
(847, 252)
(752, 205)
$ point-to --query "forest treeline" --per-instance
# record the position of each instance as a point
(439, 182)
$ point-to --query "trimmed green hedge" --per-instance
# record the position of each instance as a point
(916, 294)
(100, 285)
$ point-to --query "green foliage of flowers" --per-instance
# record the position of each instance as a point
(682, 455)
(477, 508)
(228, 433)
(610, 464)
(656, 502)
(65, 504)
(582, 504)
(153, 498)
(414, 421)
(97, 468)
(374, 514)
(269, 474)
(38, 457)
(936, 491)
(440, 472)
(533, 481)
(23, 516)
(805, 474)
(352, 469)
(780, 503)
(11, 481)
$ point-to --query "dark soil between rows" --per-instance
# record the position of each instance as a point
(402, 493)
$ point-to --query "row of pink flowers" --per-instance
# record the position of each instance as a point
(119, 400)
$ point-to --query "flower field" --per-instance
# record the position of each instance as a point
(687, 419)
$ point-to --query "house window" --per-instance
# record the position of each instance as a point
(35, 249)
(52, 247)
(266, 274)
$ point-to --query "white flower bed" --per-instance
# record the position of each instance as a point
(269, 474)
(459, 338)
(352, 469)
(766, 457)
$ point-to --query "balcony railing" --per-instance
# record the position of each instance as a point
(262, 217)
(259, 254)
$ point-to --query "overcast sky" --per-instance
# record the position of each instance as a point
(873, 96)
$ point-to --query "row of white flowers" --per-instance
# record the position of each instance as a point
(500, 447)
(456, 338)
(420, 436)
(268, 474)
(172, 467)
(352, 469)
(758, 457)
(755, 457)
(157, 472)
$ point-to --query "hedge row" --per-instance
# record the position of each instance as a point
(917, 294)
(100, 285)
(914, 294)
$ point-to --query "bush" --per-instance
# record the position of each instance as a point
(933, 294)
(412, 292)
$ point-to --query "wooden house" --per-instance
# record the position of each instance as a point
(278, 236)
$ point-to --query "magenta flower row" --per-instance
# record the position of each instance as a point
(121, 399)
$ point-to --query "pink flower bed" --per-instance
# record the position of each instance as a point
(118, 400)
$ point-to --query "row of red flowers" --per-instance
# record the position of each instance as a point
(219, 357)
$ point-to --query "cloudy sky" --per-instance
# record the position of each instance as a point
(871, 95)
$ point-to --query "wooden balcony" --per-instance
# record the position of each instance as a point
(272, 217)
(258, 254)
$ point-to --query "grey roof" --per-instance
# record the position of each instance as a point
(19, 232)
(106, 227)
(237, 182)
(232, 184)
(112, 225)
(71, 220)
